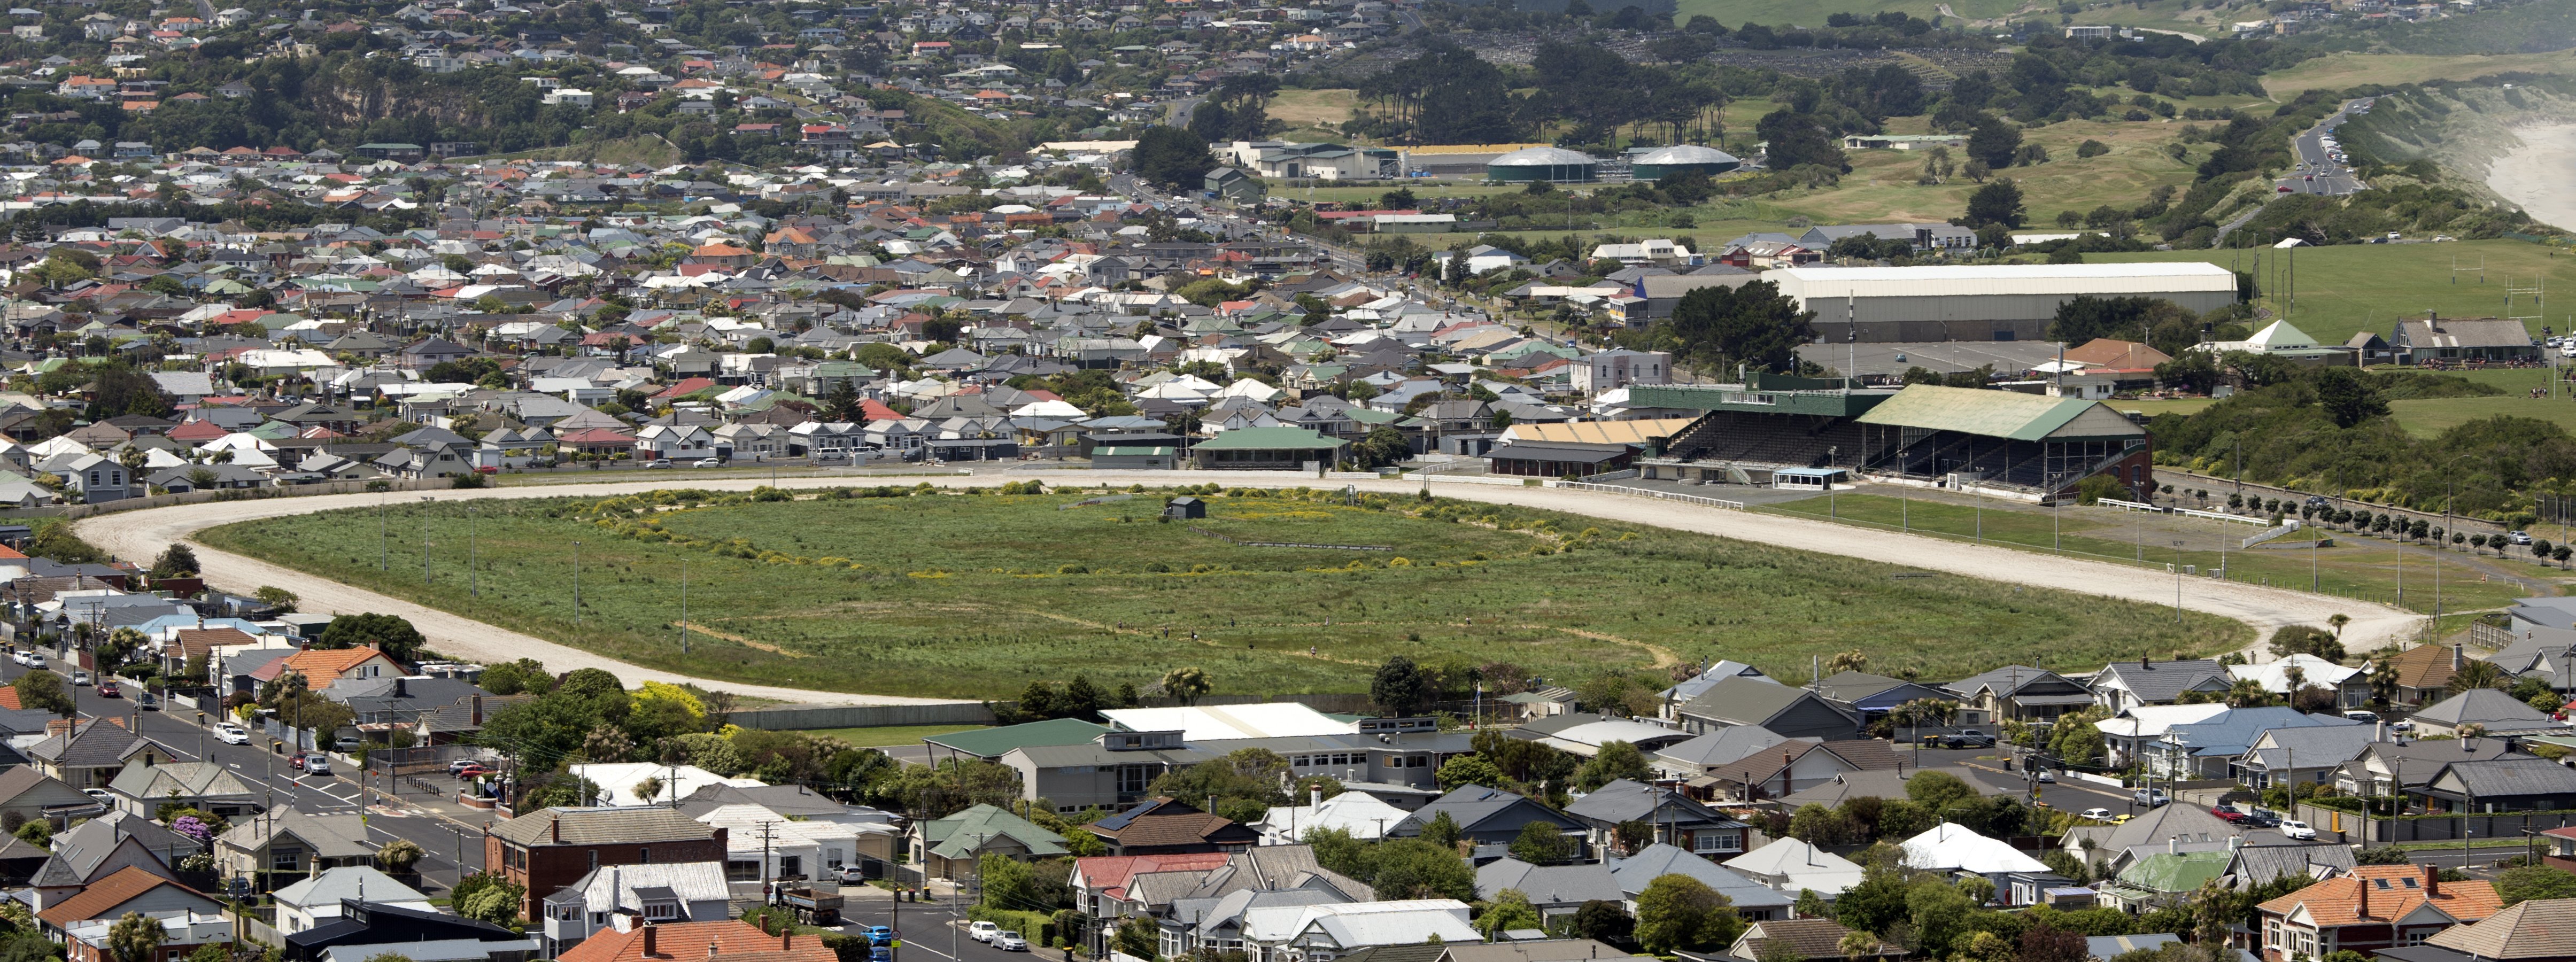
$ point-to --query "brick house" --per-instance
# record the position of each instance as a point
(548, 849)
(2371, 908)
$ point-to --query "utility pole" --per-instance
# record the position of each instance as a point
(767, 830)
(684, 607)
(576, 584)
(473, 577)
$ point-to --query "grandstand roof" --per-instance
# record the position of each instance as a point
(2100, 280)
(2000, 414)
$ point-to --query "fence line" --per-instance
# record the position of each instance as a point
(1651, 493)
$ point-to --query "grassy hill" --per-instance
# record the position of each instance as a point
(2353, 287)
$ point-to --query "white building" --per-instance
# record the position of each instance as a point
(1611, 370)
(1984, 302)
(316, 900)
(621, 783)
(761, 845)
(1790, 865)
(1363, 815)
(1322, 933)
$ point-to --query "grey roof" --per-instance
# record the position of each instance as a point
(1685, 154)
(1624, 800)
(329, 836)
(2322, 747)
(1748, 701)
(2009, 680)
(1658, 860)
(80, 852)
(601, 826)
(1548, 884)
(2257, 864)
(2162, 681)
(1722, 746)
(1470, 806)
(2485, 706)
(348, 882)
(611, 887)
(1541, 157)
(2513, 775)
(787, 800)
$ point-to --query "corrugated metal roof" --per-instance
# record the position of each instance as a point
(1811, 283)
(2001, 414)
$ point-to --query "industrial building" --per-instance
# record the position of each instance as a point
(1661, 162)
(1999, 442)
(1455, 160)
(1994, 302)
(1555, 165)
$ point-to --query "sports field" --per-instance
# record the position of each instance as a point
(2347, 288)
(970, 595)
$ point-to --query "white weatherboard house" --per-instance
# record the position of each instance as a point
(316, 901)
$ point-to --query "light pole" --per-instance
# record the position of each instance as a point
(473, 578)
(2450, 488)
(2177, 581)
(576, 584)
(684, 606)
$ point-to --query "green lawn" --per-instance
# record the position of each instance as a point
(2430, 417)
(2355, 567)
(2151, 408)
(2347, 288)
(977, 595)
(891, 735)
(2340, 70)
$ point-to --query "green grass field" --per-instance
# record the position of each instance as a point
(975, 596)
(2430, 417)
(2340, 70)
(890, 735)
(2353, 287)
(2151, 408)
(2355, 567)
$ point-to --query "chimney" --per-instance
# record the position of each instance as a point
(2173, 845)
(554, 829)
(2458, 658)
(1315, 796)
(2146, 661)
(711, 949)
(2432, 882)
(2361, 907)
(787, 939)
(399, 690)
(650, 945)
(478, 711)
(2235, 842)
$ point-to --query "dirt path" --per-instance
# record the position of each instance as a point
(142, 534)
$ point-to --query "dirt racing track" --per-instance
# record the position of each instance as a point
(144, 533)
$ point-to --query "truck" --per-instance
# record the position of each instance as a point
(816, 905)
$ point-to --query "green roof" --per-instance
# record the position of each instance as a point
(1130, 451)
(1996, 414)
(1268, 439)
(2167, 872)
(996, 742)
(971, 831)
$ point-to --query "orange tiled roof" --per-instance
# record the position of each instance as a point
(326, 663)
(103, 896)
(691, 941)
(2378, 894)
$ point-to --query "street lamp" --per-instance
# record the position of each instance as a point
(2177, 581)
(576, 584)
(2450, 488)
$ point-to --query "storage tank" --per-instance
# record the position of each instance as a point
(1656, 164)
(1555, 165)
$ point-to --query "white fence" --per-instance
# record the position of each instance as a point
(2216, 516)
(1648, 493)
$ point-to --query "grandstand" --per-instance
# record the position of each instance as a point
(1953, 437)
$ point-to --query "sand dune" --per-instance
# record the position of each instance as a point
(2540, 175)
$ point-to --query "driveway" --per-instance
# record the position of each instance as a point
(143, 534)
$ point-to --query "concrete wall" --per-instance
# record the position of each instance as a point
(978, 713)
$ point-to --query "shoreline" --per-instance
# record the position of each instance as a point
(2538, 176)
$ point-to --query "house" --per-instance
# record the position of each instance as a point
(732, 939)
(1753, 900)
(2423, 673)
(143, 788)
(2211, 748)
(661, 893)
(2513, 783)
(2402, 768)
(2371, 907)
(2482, 711)
(318, 900)
(2454, 340)
(2019, 692)
(1325, 932)
(2350, 685)
(89, 853)
(2121, 685)
(1780, 709)
(1486, 816)
(2310, 755)
(1793, 766)
(367, 929)
(292, 842)
(183, 933)
(93, 753)
(675, 442)
(1816, 940)
(1363, 815)
(127, 890)
(33, 796)
(323, 667)
(1790, 865)
(1871, 697)
(943, 846)
(2164, 879)
(2534, 930)
(1163, 826)
(1676, 819)
(550, 848)
(1268, 449)
(1953, 848)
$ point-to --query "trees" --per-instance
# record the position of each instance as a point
(2304, 640)
(2348, 396)
(1754, 325)
(1189, 684)
(485, 897)
(44, 691)
(1681, 912)
(1511, 909)
(1398, 688)
(1800, 140)
(1469, 770)
(2478, 673)
(1615, 761)
(398, 856)
(176, 561)
(1995, 203)
(135, 937)
(1410, 868)
(1542, 843)
(277, 598)
(1172, 157)
(1383, 446)
(1603, 921)
(1994, 141)
(513, 677)
(2534, 882)
(386, 633)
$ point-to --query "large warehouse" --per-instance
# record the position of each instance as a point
(1997, 302)
(1996, 440)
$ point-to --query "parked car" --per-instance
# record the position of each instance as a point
(108, 689)
(35, 659)
(2096, 814)
(708, 463)
(2150, 797)
(80, 676)
(658, 463)
(2518, 537)
(2263, 818)
(147, 701)
(2294, 828)
(2045, 776)
(471, 772)
(462, 764)
(2228, 815)
(1009, 941)
(983, 931)
(851, 875)
(881, 935)
(18, 656)
(1968, 738)
(232, 734)
(100, 795)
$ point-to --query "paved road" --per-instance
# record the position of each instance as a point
(337, 793)
(926, 928)
(2318, 172)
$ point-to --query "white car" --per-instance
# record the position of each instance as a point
(709, 463)
(1010, 942)
(983, 931)
(18, 656)
(80, 676)
(232, 734)
(99, 795)
(2096, 814)
(35, 659)
(2297, 829)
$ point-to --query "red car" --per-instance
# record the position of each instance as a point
(2229, 815)
(472, 772)
(108, 689)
